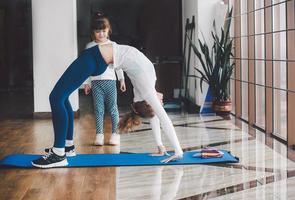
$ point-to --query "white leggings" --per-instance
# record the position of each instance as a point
(161, 117)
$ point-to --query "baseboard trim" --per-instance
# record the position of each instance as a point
(47, 115)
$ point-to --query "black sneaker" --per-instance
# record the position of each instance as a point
(70, 151)
(50, 160)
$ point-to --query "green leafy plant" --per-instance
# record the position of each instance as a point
(216, 65)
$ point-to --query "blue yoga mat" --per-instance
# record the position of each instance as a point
(123, 159)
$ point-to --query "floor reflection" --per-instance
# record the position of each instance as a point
(266, 168)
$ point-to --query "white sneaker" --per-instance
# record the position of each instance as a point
(115, 139)
(99, 140)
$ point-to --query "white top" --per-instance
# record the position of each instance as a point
(137, 66)
(109, 73)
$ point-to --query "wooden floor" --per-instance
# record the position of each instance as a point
(32, 136)
(266, 168)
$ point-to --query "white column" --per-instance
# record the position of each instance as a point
(54, 47)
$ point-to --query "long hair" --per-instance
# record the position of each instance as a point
(140, 109)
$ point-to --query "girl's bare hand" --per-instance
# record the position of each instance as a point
(122, 86)
(161, 152)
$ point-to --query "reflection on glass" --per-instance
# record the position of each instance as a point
(260, 72)
(259, 21)
(243, 4)
(259, 65)
(259, 4)
(279, 46)
(280, 99)
(232, 95)
(260, 106)
(244, 89)
(280, 113)
(259, 47)
(232, 91)
(277, 1)
(279, 16)
(244, 47)
(245, 101)
(245, 66)
(260, 79)
(231, 3)
(280, 74)
(244, 18)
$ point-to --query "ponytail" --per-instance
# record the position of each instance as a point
(129, 122)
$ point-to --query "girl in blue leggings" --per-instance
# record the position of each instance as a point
(104, 89)
(89, 63)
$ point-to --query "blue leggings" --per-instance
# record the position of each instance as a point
(89, 63)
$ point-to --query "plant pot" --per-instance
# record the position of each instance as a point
(222, 107)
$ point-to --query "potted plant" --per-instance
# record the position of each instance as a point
(216, 65)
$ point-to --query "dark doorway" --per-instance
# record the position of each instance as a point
(16, 77)
(152, 26)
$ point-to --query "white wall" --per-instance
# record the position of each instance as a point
(54, 47)
(205, 12)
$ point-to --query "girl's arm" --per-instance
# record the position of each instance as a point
(120, 75)
(122, 85)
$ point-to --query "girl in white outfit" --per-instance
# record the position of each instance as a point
(142, 74)
(104, 89)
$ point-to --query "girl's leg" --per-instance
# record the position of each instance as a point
(146, 88)
(166, 123)
(62, 117)
(90, 62)
(111, 102)
(155, 122)
(156, 129)
(112, 108)
(69, 145)
(98, 104)
(70, 131)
